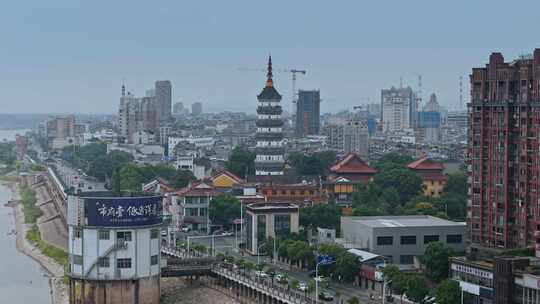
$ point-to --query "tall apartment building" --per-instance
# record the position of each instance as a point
(349, 137)
(429, 120)
(308, 108)
(503, 153)
(269, 136)
(137, 115)
(398, 107)
(163, 94)
(196, 108)
(61, 132)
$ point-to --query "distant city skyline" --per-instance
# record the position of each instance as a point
(56, 57)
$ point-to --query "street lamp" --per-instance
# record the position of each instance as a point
(258, 256)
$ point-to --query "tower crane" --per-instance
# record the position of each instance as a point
(292, 71)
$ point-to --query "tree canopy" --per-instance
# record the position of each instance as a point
(448, 292)
(241, 161)
(346, 264)
(224, 209)
(314, 164)
(417, 288)
(436, 261)
(7, 153)
(95, 161)
(322, 215)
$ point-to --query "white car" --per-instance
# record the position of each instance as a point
(319, 278)
(261, 274)
(302, 286)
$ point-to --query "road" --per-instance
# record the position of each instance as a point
(72, 177)
(226, 245)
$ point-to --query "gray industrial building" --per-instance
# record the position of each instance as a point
(401, 239)
(308, 108)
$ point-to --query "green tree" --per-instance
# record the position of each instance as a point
(390, 272)
(399, 285)
(224, 209)
(393, 160)
(241, 161)
(182, 178)
(313, 164)
(347, 265)
(403, 180)
(7, 154)
(322, 215)
(130, 178)
(417, 289)
(448, 292)
(436, 261)
(353, 300)
(456, 183)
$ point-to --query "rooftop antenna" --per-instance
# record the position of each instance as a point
(460, 93)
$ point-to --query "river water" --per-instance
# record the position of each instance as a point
(22, 280)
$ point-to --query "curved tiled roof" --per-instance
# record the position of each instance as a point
(425, 163)
(352, 163)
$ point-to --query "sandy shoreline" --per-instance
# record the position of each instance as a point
(54, 271)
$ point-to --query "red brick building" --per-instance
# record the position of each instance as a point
(503, 153)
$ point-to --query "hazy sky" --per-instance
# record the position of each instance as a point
(71, 56)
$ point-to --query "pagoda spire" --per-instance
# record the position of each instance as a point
(269, 81)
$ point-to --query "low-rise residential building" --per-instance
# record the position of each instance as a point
(264, 220)
(193, 203)
(402, 239)
(431, 172)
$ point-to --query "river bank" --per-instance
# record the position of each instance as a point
(55, 271)
(182, 291)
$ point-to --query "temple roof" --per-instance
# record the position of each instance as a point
(425, 163)
(352, 163)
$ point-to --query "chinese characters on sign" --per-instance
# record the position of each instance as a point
(123, 211)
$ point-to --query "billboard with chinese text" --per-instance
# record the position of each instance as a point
(123, 211)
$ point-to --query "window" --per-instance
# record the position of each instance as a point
(123, 236)
(430, 238)
(77, 259)
(154, 260)
(406, 259)
(453, 238)
(104, 262)
(154, 233)
(104, 235)
(123, 263)
(408, 240)
(385, 240)
(77, 232)
(282, 224)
